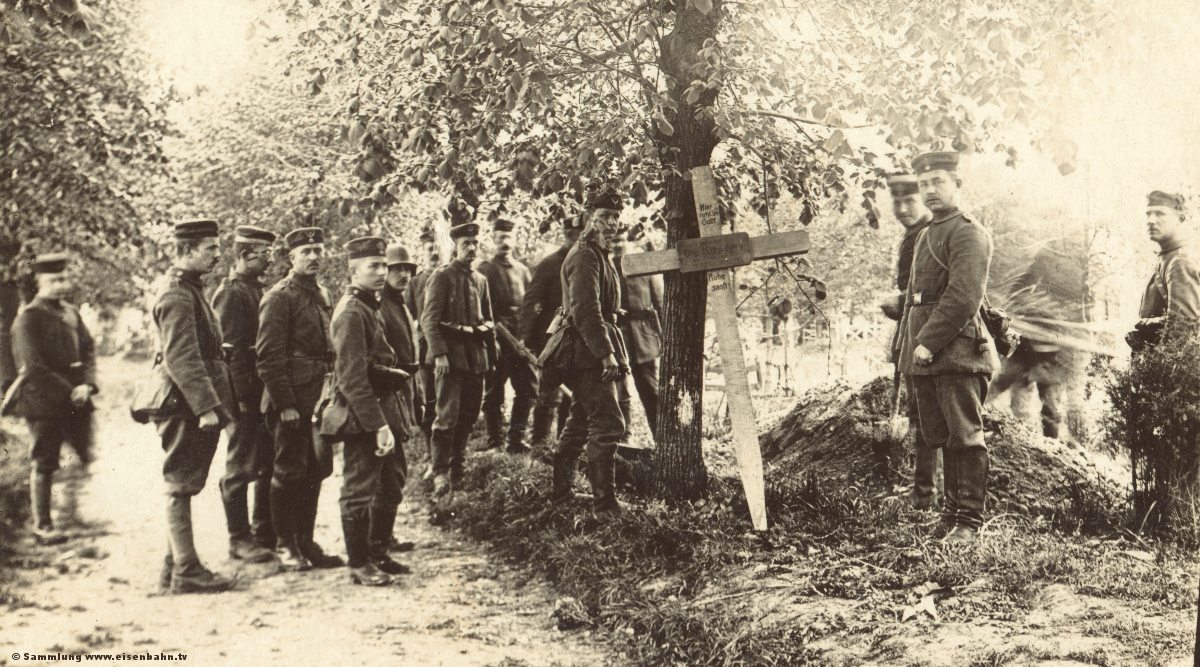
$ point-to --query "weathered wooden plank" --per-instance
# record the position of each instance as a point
(767, 246)
(714, 252)
(722, 302)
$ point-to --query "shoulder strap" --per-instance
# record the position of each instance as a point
(929, 245)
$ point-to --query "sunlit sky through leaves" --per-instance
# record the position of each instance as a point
(200, 43)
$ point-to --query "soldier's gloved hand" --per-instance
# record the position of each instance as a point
(892, 307)
(441, 365)
(610, 370)
(289, 416)
(81, 394)
(209, 420)
(385, 442)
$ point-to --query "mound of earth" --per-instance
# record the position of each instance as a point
(833, 435)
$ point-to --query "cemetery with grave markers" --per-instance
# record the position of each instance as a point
(769, 513)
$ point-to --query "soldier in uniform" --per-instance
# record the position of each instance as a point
(457, 324)
(193, 358)
(414, 296)
(56, 363)
(642, 305)
(399, 328)
(541, 302)
(946, 347)
(248, 458)
(1171, 303)
(368, 417)
(507, 279)
(912, 213)
(587, 351)
(294, 354)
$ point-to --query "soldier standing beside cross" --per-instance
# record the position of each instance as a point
(946, 347)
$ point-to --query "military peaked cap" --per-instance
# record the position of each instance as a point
(465, 229)
(1168, 199)
(903, 184)
(606, 198)
(366, 246)
(253, 235)
(397, 255)
(52, 262)
(304, 236)
(943, 160)
(199, 228)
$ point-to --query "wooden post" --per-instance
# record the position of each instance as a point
(722, 302)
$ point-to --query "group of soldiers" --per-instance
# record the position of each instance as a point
(946, 352)
(403, 355)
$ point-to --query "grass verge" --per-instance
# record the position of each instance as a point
(690, 584)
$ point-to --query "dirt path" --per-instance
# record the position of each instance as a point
(98, 593)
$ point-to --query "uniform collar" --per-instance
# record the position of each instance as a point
(190, 277)
(43, 301)
(307, 282)
(366, 296)
(1171, 247)
(392, 294)
(502, 261)
(253, 281)
(459, 264)
(944, 216)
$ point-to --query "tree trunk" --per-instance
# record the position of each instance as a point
(679, 462)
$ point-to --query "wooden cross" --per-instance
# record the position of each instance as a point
(718, 253)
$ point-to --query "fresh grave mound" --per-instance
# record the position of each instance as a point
(830, 437)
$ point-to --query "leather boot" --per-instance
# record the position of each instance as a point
(41, 484)
(283, 513)
(237, 518)
(494, 420)
(260, 518)
(563, 478)
(950, 499)
(972, 486)
(379, 537)
(164, 575)
(310, 500)
(543, 419)
(602, 475)
(355, 525)
(518, 424)
(188, 575)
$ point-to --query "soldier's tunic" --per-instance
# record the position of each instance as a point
(508, 280)
(250, 452)
(294, 354)
(1173, 292)
(946, 289)
(642, 301)
(542, 300)
(194, 359)
(587, 334)
(457, 305)
(414, 297)
(360, 343)
(399, 330)
(54, 353)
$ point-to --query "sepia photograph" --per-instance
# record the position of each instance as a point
(572, 333)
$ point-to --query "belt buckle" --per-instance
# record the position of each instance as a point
(916, 298)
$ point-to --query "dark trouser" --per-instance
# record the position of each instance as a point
(645, 380)
(301, 462)
(951, 410)
(1052, 417)
(1049, 369)
(48, 435)
(595, 423)
(370, 481)
(927, 478)
(459, 395)
(510, 367)
(249, 458)
(190, 452)
(551, 409)
(428, 392)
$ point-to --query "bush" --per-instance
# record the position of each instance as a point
(1156, 417)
